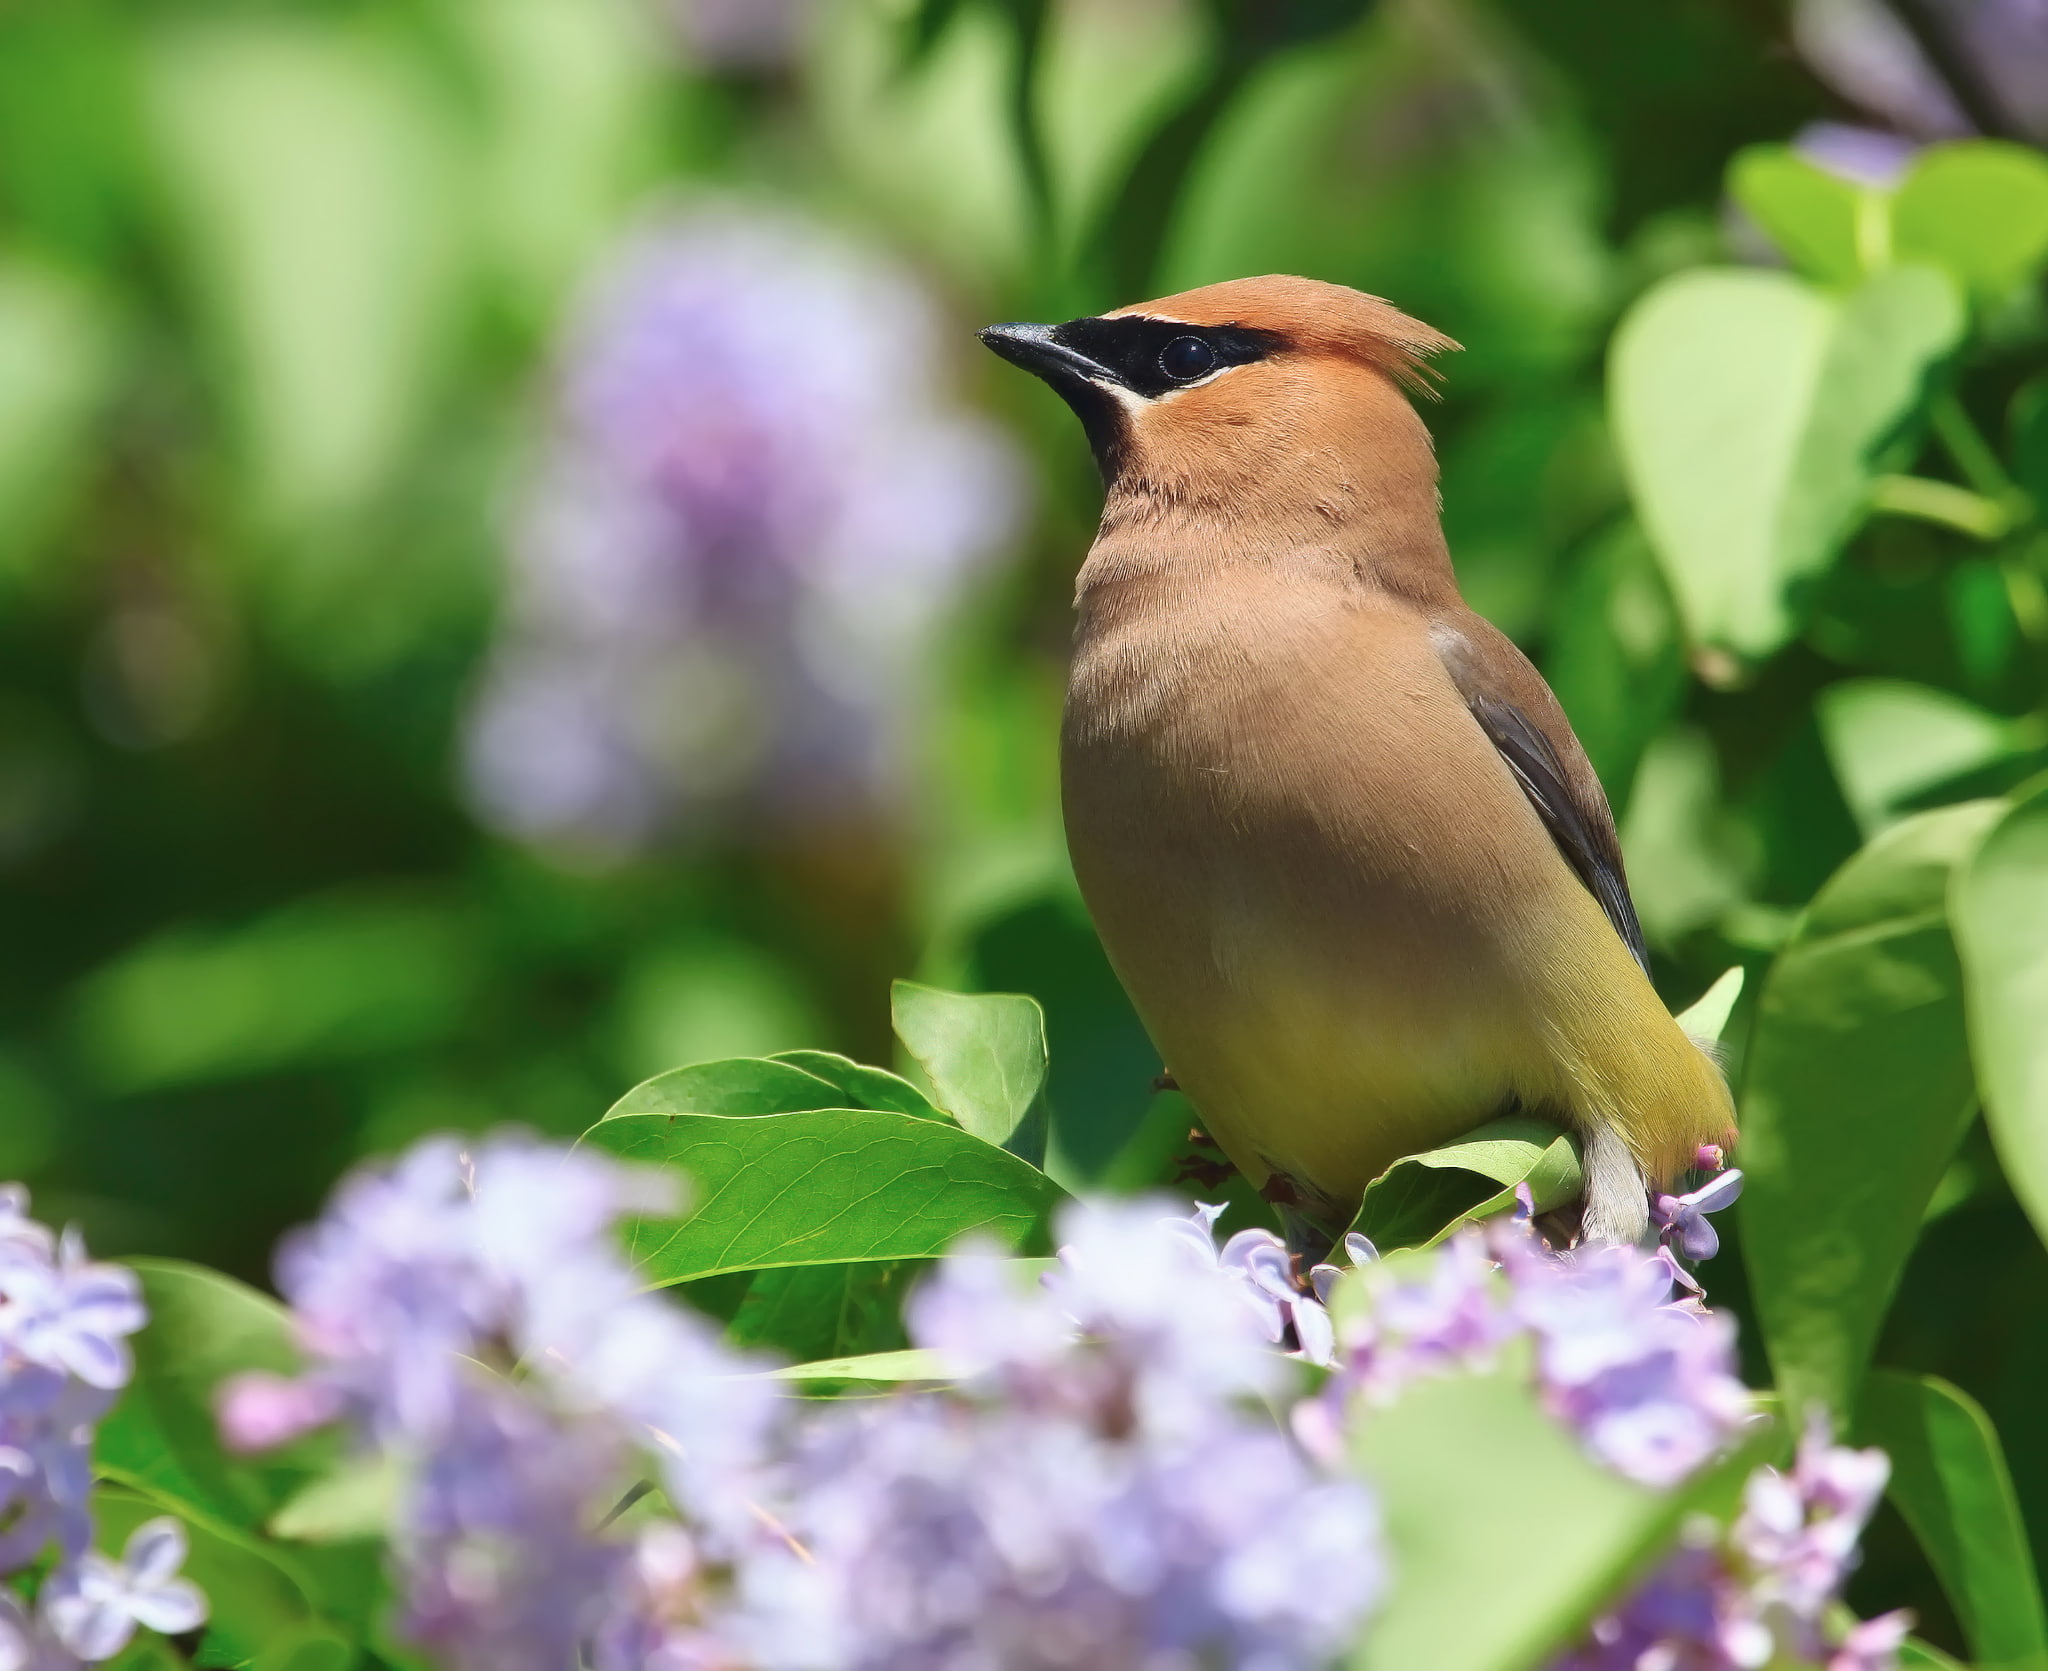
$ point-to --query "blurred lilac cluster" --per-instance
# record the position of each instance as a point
(1759, 1593)
(1870, 55)
(1099, 1491)
(469, 1316)
(64, 1323)
(1646, 1380)
(754, 507)
(1103, 1480)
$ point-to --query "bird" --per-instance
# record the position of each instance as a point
(1341, 845)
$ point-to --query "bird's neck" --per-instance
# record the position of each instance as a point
(1331, 478)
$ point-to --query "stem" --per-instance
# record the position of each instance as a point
(1972, 453)
(1974, 514)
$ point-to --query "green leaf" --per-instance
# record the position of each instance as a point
(1421, 1199)
(1916, 1655)
(2001, 912)
(826, 1311)
(1708, 1017)
(160, 1439)
(864, 1087)
(254, 1602)
(1857, 1091)
(1747, 406)
(739, 1085)
(1978, 208)
(985, 1056)
(334, 977)
(822, 1188)
(203, 1327)
(1949, 1480)
(312, 187)
(1809, 213)
(353, 1502)
(57, 362)
(1457, 1463)
(914, 1364)
(1888, 740)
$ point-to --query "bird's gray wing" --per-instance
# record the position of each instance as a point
(1522, 719)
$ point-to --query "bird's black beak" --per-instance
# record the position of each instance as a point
(1038, 350)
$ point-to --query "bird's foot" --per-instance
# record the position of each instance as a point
(1209, 1171)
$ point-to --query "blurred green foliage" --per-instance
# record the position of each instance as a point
(1750, 456)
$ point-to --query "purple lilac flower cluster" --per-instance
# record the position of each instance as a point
(1759, 1593)
(1648, 1383)
(1100, 1490)
(1103, 1482)
(469, 1317)
(754, 507)
(64, 1323)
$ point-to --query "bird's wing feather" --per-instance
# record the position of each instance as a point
(1510, 700)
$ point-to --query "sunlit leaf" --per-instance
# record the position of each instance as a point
(57, 354)
(355, 1500)
(1708, 1016)
(861, 1086)
(1978, 208)
(985, 1055)
(1422, 1198)
(312, 184)
(1888, 740)
(738, 1085)
(1949, 1480)
(1457, 1463)
(1856, 1092)
(1747, 405)
(1808, 212)
(330, 978)
(822, 1188)
(2001, 911)
(915, 1364)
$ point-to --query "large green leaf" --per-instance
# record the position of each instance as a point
(160, 1439)
(254, 1603)
(985, 1055)
(738, 1085)
(1747, 406)
(1949, 1480)
(2001, 913)
(203, 1327)
(1809, 213)
(1420, 1199)
(1459, 1464)
(1857, 1090)
(822, 1188)
(1978, 208)
(1888, 740)
(825, 1311)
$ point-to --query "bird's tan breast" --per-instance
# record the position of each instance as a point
(1295, 842)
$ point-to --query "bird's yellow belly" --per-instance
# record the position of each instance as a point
(1330, 1074)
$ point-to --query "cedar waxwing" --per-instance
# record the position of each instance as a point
(1341, 845)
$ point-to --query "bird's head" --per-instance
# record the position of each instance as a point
(1260, 386)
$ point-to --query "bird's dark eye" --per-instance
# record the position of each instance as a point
(1186, 358)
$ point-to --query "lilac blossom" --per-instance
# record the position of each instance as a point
(1682, 1219)
(1761, 1592)
(468, 1315)
(1648, 1384)
(754, 508)
(1100, 1490)
(1866, 53)
(64, 1356)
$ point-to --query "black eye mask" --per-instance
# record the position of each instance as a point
(1152, 357)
